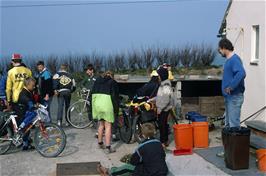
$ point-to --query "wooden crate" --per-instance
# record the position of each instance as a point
(189, 107)
(203, 100)
(190, 100)
(211, 106)
(208, 106)
(207, 109)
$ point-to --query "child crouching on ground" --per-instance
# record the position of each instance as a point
(147, 160)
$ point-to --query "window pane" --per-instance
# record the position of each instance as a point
(257, 30)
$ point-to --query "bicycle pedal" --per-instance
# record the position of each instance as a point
(18, 142)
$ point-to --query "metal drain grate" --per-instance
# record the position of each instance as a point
(85, 168)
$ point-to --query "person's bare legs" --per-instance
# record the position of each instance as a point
(100, 133)
(108, 133)
(108, 136)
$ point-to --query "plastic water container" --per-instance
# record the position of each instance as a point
(200, 134)
(183, 134)
(261, 158)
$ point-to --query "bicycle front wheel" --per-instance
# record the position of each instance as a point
(49, 140)
(78, 114)
(5, 139)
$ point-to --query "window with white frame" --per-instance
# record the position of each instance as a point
(255, 43)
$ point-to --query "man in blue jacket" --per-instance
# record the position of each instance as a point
(233, 85)
(45, 85)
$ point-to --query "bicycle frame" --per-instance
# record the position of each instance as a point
(86, 97)
(12, 119)
(86, 93)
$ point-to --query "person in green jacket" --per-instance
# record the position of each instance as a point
(88, 83)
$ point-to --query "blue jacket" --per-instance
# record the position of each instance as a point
(45, 83)
(3, 79)
(233, 76)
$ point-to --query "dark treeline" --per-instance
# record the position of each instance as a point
(135, 59)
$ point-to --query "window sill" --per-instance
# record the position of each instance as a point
(254, 62)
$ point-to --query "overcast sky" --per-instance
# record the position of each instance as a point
(81, 29)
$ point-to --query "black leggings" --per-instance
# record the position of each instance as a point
(163, 126)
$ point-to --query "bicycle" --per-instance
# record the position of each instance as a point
(49, 139)
(134, 114)
(77, 113)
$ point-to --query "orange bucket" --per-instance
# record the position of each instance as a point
(200, 134)
(183, 136)
(261, 158)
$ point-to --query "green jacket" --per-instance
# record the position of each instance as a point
(88, 82)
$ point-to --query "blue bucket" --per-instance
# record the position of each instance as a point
(190, 114)
(198, 118)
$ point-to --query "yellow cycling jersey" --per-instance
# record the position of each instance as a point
(15, 82)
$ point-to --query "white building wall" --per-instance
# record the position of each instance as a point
(242, 16)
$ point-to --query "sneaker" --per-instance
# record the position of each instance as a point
(109, 150)
(59, 123)
(220, 154)
(28, 147)
(101, 146)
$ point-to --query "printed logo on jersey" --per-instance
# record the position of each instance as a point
(20, 77)
(64, 80)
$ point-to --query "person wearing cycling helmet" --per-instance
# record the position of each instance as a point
(15, 79)
(150, 88)
(164, 103)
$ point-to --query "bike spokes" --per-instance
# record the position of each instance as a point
(5, 141)
(78, 114)
(50, 141)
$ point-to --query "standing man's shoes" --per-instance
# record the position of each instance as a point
(220, 154)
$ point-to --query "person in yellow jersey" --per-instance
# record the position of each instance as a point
(15, 80)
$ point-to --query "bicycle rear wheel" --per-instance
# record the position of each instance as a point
(78, 115)
(125, 128)
(5, 139)
(49, 140)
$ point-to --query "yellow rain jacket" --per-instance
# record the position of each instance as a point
(15, 82)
